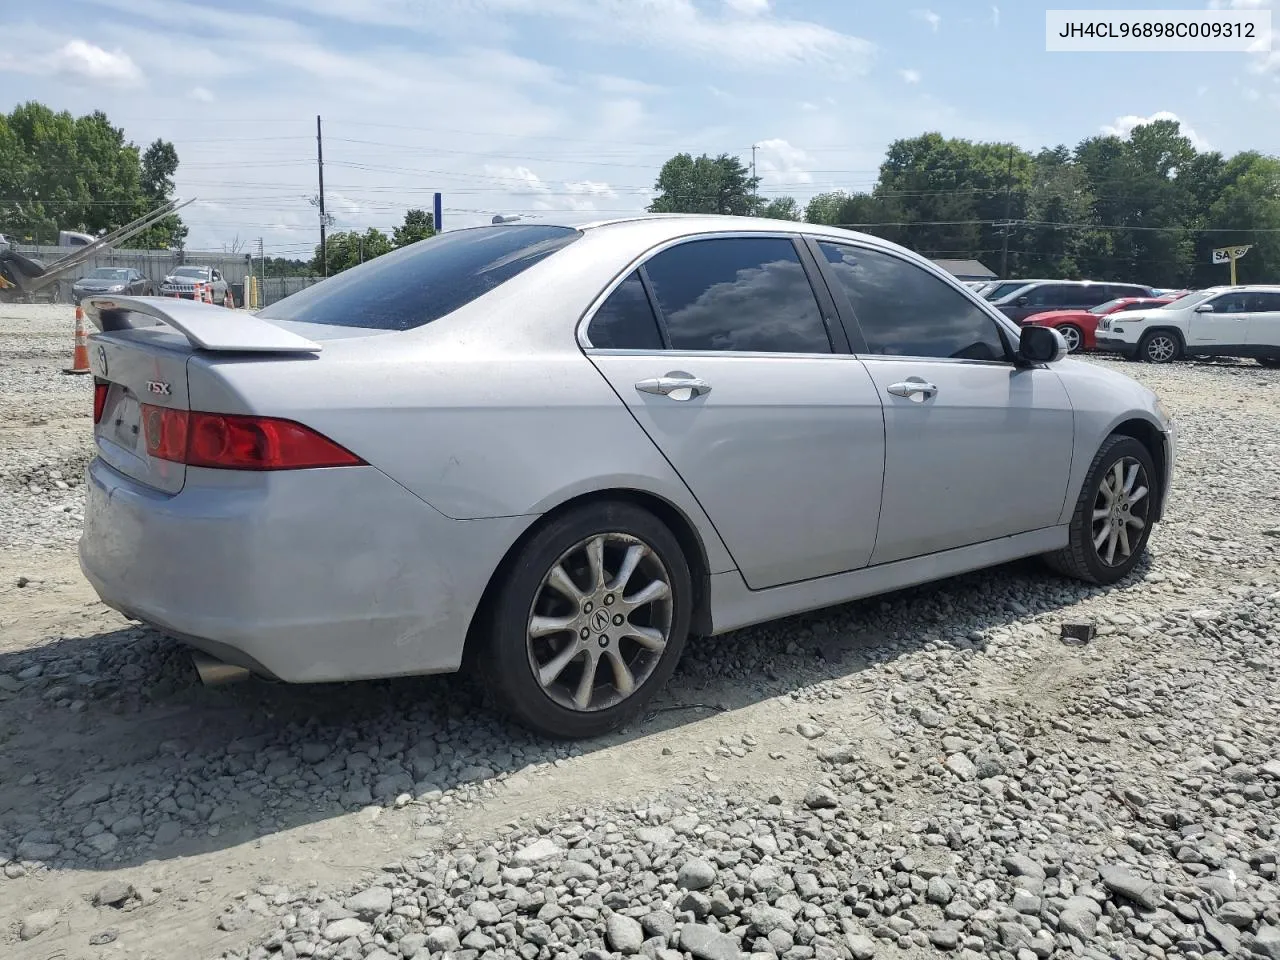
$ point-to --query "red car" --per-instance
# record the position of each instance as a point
(1078, 326)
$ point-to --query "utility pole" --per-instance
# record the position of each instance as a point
(324, 246)
(1008, 198)
(262, 265)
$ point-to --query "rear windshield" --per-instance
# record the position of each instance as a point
(425, 281)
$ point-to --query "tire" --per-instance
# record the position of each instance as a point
(511, 657)
(1160, 346)
(1081, 559)
(1074, 337)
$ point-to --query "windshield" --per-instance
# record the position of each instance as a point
(109, 273)
(1108, 306)
(1004, 289)
(424, 281)
(191, 272)
(1190, 300)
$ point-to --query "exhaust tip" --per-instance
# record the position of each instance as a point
(214, 672)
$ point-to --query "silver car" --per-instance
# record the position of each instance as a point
(556, 453)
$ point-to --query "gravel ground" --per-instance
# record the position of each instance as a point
(933, 773)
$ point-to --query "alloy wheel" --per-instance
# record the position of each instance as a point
(1120, 511)
(600, 622)
(1072, 336)
(1161, 348)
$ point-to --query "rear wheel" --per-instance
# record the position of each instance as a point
(1073, 335)
(1160, 347)
(590, 621)
(1111, 523)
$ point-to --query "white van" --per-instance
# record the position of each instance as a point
(1241, 321)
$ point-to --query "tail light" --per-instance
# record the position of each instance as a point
(234, 442)
(99, 398)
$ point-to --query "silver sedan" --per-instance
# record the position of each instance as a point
(556, 453)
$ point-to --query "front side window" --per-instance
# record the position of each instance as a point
(906, 311)
(1232, 303)
(625, 321)
(737, 293)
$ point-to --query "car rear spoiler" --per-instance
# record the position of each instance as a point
(205, 326)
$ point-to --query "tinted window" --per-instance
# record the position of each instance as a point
(625, 321)
(905, 311)
(424, 281)
(1128, 290)
(1004, 289)
(1266, 302)
(1232, 303)
(739, 293)
(1049, 295)
(1094, 295)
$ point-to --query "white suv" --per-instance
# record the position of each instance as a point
(1217, 322)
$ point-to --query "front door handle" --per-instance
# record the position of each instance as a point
(914, 388)
(677, 385)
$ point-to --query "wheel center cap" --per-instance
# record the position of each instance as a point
(600, 621)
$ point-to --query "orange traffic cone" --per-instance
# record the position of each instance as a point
(80, 358)
(208, 293)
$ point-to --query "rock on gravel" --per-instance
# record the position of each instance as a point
(34, 924)
(696, 874)
(624, 933)
(370, 904)
(706, 943)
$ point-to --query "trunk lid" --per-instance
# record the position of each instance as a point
(141, 356)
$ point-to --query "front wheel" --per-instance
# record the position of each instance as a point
(1111, 523)
(1073, 336)
(1159, 347)
(590, 621)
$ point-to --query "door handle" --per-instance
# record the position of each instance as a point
(676, 385)
(913, 388)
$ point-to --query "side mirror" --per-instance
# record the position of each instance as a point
(1204, 308)
(1041, 345)
(1022, 301)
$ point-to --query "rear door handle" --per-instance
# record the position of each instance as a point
(677, 385)
(913, 388)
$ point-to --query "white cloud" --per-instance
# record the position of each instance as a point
(583, 193)
(748, 36)
(995, 16)
(780, 163)
(1123, 126)
(929, 17)
(203, 94)
(31, 51)
(85, 61)
(748, 8)
(910, 76)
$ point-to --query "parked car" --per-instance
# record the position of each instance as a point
(182, 283)
(1064, 295)
(555, 453)
(124, 280)
(1079, 326)
(1241, 321)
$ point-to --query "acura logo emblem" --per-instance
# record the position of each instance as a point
(600, 621)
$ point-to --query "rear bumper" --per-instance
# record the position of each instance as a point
(1115, 345)
(309, 575)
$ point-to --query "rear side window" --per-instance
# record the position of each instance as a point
(625, 321)
(1266, 303)
(737, 293)
(424, 281)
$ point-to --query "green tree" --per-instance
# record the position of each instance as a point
(418, 225)
(705, 185)
(781, 208)
(826, 207)
(59, 172)
(348, 249)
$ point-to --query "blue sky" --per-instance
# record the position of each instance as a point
(556, 108)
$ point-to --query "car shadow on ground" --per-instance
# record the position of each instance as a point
(117, 756)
